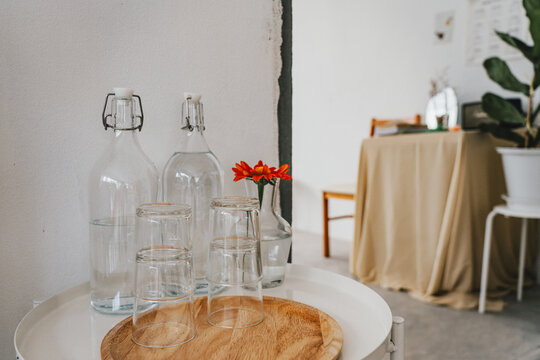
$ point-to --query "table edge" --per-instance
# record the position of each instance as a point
(25, 323)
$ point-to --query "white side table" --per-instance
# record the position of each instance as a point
(65, 326)
(507, 212)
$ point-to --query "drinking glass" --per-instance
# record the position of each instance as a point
(234, 264)
(163, 313)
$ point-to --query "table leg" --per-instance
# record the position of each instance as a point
(536, 238)
(485, 261)
(326, 238)
(397, 338)
(522, 247)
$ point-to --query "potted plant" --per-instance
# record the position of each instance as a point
(521, 163)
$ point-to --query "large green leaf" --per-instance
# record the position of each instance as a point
(525, 49)
(536, 82)
(535, 113)
(501, 110)
(503, 133)
(498, 71)
(535, 140)
(532, 9)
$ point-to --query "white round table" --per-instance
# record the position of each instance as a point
(66, 327)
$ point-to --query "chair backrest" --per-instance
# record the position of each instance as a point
(378, 122)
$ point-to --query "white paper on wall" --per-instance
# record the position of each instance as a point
(486, 16)
(444, 26)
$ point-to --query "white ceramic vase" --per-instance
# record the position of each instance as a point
(522, 175)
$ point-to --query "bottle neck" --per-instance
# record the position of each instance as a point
(269, 194)
(193, 127)
(193, 141)
(124, 123)
(123, 115)
(269, 200)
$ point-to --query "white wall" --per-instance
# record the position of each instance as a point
(354, 60)
(58, 59)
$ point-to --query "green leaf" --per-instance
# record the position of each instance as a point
(535, 113)
(532, 9)
(501, 110)
(516, 43)
(503, 133)
(499, 72)
(526, 50)
(536, 82)
(536, 139)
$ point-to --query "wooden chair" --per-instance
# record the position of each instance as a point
(378, 122)
(348, 191)
(344, 192)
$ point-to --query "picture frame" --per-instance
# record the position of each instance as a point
(472, 114)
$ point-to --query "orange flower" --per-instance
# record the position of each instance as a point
(259, 171)
(241, 171)
(282, 172)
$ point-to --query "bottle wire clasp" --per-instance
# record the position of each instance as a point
(192, 114)
(105, 116)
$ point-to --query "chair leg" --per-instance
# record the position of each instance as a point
(397, 338)
(522, 247)
(326, 238)
(485, 261)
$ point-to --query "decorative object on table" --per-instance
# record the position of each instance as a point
(276, 233)
(395, 128)
(439, 82)
(297, 331)
(389, 127)
(193, 176)
(122, 179)
(442, 110)
(163, 312)
(472, 114)
(522, 164)
(234, 264)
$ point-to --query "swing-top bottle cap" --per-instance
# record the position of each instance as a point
(195, 98)
(123, 93)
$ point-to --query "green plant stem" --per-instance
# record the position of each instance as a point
(260, 190)
(529, 136)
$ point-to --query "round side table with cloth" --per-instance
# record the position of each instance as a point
(421, 205)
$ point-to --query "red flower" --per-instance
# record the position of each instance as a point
(282, 172)
(259, 171)
(241, 171)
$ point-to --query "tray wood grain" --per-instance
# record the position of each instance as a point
(290, 330)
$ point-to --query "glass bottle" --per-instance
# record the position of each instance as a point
(276, 234)
(121, 180)
(193, 176)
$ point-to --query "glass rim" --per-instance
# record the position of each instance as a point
(163, 210)
(235, 203)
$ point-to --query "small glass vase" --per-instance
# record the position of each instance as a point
(276, 234)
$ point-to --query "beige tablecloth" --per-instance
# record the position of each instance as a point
(421, 207)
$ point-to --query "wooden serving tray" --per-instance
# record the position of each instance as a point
(290, 330)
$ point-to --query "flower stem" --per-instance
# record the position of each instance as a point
(260, 189)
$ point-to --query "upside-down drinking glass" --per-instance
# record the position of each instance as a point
(163, 312)
(234, 264)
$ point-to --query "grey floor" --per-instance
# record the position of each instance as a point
(436, 332)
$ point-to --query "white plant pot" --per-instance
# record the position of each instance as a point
(522, 175)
